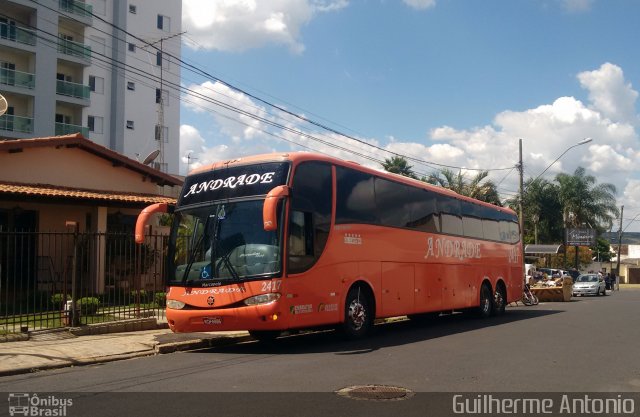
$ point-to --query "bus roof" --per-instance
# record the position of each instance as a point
(299, 156)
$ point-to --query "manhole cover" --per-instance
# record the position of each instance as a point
(375, 393)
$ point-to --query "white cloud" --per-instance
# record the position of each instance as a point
(547, 130)
(609, 93)
(237, 25)
(420, 4)
(576, 6)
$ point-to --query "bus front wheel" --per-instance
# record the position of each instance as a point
(358, 314)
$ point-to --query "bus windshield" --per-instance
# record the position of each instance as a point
(222, 243)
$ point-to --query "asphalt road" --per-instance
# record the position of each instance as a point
(587, 345)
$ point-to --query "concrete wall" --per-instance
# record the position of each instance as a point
(71, 167)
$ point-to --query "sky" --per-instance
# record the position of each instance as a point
(454, 83)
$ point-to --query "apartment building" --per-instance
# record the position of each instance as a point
(104, 68)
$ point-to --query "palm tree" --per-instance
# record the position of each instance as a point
(586, 202)
(399, 165)
(479, 187)
(542, 211)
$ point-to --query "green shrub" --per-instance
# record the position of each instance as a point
(144, 296)
(88, 306)
(160, 298)
(57, 299)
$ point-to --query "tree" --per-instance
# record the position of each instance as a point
(602, 250)
(399, 165)
(584, 202)
(479, 187)
(542, 212)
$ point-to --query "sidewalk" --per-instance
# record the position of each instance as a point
(62, 349)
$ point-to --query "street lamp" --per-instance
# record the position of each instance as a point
(582, 142)
(521, 192)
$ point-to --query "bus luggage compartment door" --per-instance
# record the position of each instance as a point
(397, 288)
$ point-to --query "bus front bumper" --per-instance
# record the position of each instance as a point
(261, 317)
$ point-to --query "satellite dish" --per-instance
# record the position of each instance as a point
(3, 105)
(151, 157)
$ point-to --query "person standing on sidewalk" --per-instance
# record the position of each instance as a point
(613, 281)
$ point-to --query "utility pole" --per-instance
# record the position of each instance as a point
(159, 130)
(619, 244)
(520, 210)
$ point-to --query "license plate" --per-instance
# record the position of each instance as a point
(212, 320)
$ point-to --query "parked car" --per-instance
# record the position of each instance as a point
(589, 284)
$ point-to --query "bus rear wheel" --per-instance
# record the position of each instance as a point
(499, 300)
(358, 314)
(485, 309)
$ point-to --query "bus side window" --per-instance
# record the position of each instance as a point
(310, 216)
(301, 234)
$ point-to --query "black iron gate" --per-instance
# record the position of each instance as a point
(59, 279)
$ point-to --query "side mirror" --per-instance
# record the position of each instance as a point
(143, 218)
(269, 212)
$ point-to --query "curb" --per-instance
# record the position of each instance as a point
(185, 345)
(78, 362)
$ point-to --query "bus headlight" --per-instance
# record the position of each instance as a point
(262, 299)
(175, 304)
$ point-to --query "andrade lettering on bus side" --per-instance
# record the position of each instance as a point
(452, 248)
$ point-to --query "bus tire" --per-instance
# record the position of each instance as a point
(265, 336)
(499, 299)
(485, 309)
(358, 313)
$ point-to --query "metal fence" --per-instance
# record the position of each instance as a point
(60, 279)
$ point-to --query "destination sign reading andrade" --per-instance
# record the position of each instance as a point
(233, 182)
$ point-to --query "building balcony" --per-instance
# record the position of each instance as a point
(11, 123)
(68, 129)
(17, 34)
(17, 78)
(74, 49)
(77, 8)
(70, 89)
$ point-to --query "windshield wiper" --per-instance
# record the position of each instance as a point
(194, 250)
(228, 245)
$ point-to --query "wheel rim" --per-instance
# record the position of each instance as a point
(357, 314)
(499, 299)
(485, 302)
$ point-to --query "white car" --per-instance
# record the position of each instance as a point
(589, 284)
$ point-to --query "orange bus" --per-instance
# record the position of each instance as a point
(299, 240)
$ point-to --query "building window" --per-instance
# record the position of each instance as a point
(131, 85)
(96, 84)
(164, 131)
(63, 119)
(165, 97)
(132, 47)
(164, 23)
(130, 124)
(133, 9)
(95, 124)
(161, 60)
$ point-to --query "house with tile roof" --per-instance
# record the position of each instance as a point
(53, 186)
